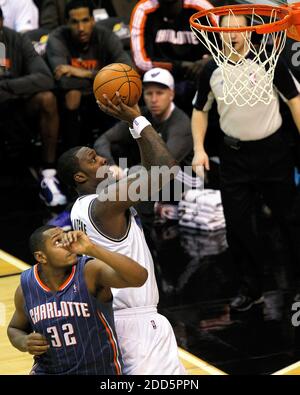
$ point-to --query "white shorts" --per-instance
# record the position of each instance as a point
(147, 342)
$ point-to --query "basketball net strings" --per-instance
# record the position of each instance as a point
(249, 78)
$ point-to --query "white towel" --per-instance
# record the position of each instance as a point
(187, 217)
(191, 195)
(202, 209)
(210, 199)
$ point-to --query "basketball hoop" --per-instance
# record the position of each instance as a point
(248, 74)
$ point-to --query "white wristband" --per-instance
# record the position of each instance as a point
(139, 125)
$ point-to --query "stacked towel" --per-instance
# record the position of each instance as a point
(202, 209)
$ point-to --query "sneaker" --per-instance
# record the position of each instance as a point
(244, 302)
(50, 189)
(62, 220)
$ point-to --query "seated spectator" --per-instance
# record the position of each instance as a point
(170, 121)
(27, 79)
(20, 15)
(75, 53)
(161, 37)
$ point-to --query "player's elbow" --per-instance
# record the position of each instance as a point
(10, 334)
(141, 278)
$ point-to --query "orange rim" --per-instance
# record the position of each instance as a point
(285, 14)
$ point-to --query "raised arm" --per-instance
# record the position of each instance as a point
(114, 200)
(19, 330)
(152, 148)
(108, 269)
(199, 128)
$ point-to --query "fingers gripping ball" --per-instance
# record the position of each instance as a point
(118, 77)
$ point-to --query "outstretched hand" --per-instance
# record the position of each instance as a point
(119, 110)
(76, 242)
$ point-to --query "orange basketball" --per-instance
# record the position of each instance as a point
(118, 77)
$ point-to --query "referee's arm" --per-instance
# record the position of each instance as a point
(199, 128)
(202, 104)
(294, 106)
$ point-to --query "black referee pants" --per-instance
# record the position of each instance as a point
(266, 167)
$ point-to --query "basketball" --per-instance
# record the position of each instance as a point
(118, 77)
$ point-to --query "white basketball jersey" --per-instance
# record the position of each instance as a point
(133, 245)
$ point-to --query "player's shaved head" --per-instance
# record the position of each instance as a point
(37, 239)
(68, 166)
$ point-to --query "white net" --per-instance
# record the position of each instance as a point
(247, 70)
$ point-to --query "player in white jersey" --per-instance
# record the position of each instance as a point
(146, 338)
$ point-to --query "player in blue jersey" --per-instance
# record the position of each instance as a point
(63, 305)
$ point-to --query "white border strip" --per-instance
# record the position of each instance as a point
(197, 362)
(287, 369)
(13, 261)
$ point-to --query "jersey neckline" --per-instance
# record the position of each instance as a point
(45, 287)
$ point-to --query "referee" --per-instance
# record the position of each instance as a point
(255, 157)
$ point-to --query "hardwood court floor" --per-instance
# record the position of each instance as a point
(292, 370)
(10, 265)
(14, 362)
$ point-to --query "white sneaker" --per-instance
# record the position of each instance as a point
(50, 189)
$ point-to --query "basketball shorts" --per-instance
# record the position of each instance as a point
(147, 342)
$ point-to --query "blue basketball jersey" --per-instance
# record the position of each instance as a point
(79, 329)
